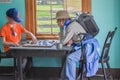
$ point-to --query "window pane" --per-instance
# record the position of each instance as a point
(46, 10)
(74, 6)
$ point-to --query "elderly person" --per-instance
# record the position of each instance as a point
(69, 34)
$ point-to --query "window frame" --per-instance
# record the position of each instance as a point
(31, 18)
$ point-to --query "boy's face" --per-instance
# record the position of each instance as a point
(10, 20)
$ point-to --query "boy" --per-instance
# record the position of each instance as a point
(11, 33)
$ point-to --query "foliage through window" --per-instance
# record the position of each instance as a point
(43, 11)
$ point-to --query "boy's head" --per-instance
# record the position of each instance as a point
(13, 14)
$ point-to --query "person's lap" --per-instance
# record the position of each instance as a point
(69, 70)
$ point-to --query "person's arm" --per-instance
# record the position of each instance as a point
(9, 43)
(68, 37)
(34, 39)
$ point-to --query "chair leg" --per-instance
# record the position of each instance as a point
(82, 69)
(109, 69)
(88, 78)
(104, 71)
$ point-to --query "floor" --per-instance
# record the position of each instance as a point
(12, 78)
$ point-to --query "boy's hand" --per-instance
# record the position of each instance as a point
(15, 44)
(34, 41)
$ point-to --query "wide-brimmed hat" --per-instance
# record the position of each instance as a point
(14, 14)
(62, 14)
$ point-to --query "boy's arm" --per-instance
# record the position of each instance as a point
(34, 39)
(9, 43)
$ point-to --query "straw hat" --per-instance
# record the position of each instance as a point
(62, 14)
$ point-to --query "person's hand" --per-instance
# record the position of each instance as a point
(69, 42)
(15, 44)
(34, 41)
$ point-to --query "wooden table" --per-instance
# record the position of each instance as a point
(21, 52)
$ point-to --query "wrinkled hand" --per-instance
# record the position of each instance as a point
(69, 42)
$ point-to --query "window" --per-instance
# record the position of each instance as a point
(40, 14)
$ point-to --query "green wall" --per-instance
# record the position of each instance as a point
(20, 5)
(106, 14)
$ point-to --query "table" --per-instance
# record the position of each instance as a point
(21, 52)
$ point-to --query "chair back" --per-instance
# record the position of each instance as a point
(1, 47)
(107, 43)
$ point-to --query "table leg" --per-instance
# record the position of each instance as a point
(20, 72)
(62, 74)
